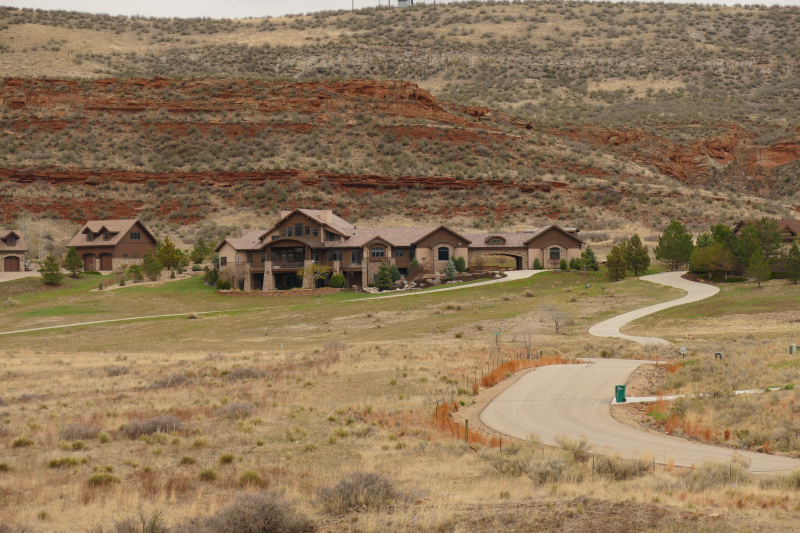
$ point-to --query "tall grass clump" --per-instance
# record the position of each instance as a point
(156, 424)
(361, 490)
(264, 512)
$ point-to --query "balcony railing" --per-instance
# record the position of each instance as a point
(288, 266)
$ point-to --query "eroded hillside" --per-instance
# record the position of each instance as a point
(606, 116)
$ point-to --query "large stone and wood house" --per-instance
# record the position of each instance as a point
(269, 259)
(13, 249)
(112, 244)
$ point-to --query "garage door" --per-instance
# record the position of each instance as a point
(105, 262)
(11, 264)
(88, 263)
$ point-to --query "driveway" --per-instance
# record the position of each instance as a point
(575, 400)
(694, 292)
(10, 276)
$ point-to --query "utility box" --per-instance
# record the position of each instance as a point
(619, 393)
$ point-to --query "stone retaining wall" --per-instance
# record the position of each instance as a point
(269, 294)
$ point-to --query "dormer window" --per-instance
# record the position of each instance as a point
(11, 240)
(496, 240)
(106, 236)
(89, 237)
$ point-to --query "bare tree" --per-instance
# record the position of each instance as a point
(236, 273)
(558, 313)
(526, 330)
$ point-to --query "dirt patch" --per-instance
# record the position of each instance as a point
(645, 381)
(578, 515)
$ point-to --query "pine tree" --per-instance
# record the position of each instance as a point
(758, 268)
(704, 240)
(636, 255)
(73, 262)
(151, 266)
(51, 271)
(395, 272)
(169, 256)
(675, 245)
(450, 271)
(615, 263)
(589, 259)
(537, 265)
(793, 262)
(383, 279)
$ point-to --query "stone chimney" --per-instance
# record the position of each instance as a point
(284, 214)
(326, 216)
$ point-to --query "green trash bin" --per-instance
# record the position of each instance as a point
(619, 391)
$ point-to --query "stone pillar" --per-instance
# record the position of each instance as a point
(269, 277)
(248, 278)
(337, 267)
(365, 269)
(308, 282)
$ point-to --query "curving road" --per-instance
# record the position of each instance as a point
(694, 292)
(575, 400)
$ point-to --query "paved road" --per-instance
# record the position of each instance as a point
(510, 276)
(694, 292)
(575, 400)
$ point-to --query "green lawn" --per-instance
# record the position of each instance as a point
(295, 321)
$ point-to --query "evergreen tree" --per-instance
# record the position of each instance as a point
(793, 262)
(169, 255)
(199, 252)
(563, 265)
(51, 271)
(675, 245)
(383, 279)
(414, 269)
(152, 266)
(722, 234)
(762, 235)
(704, 240)
(450, 271)
(395, 272)
(537, 265)
(758, 268)
(636, 255)
(73, 262)
(461, 264)
(615, 263)
(589, 259)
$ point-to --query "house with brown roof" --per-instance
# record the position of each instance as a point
(13, 249)
(269, 259)
(106, 245)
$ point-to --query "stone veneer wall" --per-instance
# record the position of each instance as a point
(3, 256)
(269, 277)
(439, 266)
(119, 264)
(551, 263)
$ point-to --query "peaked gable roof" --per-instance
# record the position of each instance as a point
(786, 225)
(19, 246)
(434, 230)
(117, 229)
(252, 240)
(337, 224)
(545, 229)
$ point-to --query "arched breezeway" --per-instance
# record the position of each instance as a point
(520, 256)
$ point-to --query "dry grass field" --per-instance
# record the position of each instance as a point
(183, 417)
